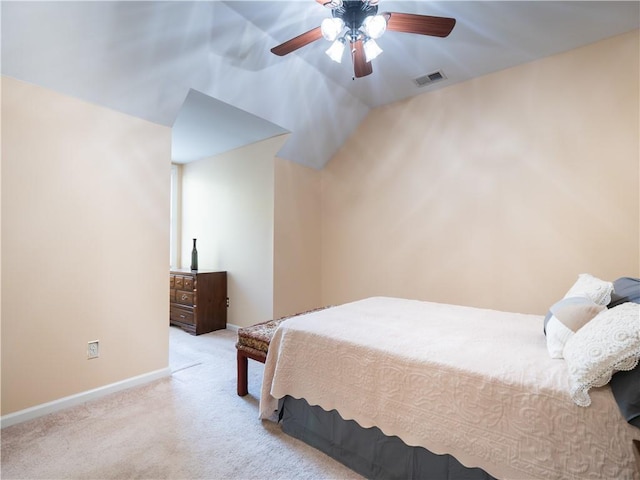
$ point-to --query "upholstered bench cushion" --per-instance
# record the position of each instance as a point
(256, 338)
(253, 342)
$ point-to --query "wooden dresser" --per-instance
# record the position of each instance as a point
(198, 300)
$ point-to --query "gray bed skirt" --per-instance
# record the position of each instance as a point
(368, 451)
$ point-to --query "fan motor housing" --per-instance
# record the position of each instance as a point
(353, 14)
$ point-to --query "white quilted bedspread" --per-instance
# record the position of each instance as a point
(477, 384)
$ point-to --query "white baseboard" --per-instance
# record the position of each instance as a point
(79, 398)
(231, 326)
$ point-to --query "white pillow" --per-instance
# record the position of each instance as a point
(597, 290)
(567, 317)
(608, 343)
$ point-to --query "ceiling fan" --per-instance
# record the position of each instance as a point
(358, 23)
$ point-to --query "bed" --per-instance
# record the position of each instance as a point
(477, 386)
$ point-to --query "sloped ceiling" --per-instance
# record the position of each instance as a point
(206, 127)
(144, 59)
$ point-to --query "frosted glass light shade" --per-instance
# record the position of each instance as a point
(374, 26)
(335, 50)
(371, 50)
(331, 28)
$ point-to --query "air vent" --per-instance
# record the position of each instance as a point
(429, 78)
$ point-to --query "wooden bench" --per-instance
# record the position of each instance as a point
(253, 342)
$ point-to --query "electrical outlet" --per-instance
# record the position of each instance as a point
(93, 349)
(227, 301)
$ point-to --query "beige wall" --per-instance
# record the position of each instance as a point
(496, 192)
(85, 228)
(228, 205)
(297, 239)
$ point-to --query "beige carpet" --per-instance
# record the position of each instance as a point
(191, 425)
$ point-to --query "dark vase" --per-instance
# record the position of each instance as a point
(194, 256)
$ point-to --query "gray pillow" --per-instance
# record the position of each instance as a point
(626, 390)
(625, 289)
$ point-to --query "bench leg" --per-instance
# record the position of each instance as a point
(242, 374)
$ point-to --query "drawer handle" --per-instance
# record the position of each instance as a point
(184, 297)
(183, 316)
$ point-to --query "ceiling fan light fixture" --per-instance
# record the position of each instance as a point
(331, 28)
(336, 50)
(374, 26)
(371, 49)
(348, 25)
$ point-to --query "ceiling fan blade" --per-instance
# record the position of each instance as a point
(361, 67)
(420, 24)
(298, 42)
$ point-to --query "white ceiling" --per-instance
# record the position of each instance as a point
(144, 59)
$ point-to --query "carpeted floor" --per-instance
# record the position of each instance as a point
(191, 425)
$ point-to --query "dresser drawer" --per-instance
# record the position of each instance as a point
(172, 281)
(185, 298)
(183, 315)
(172, 294)
(182, 283)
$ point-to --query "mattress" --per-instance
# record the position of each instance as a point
(473, 383)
